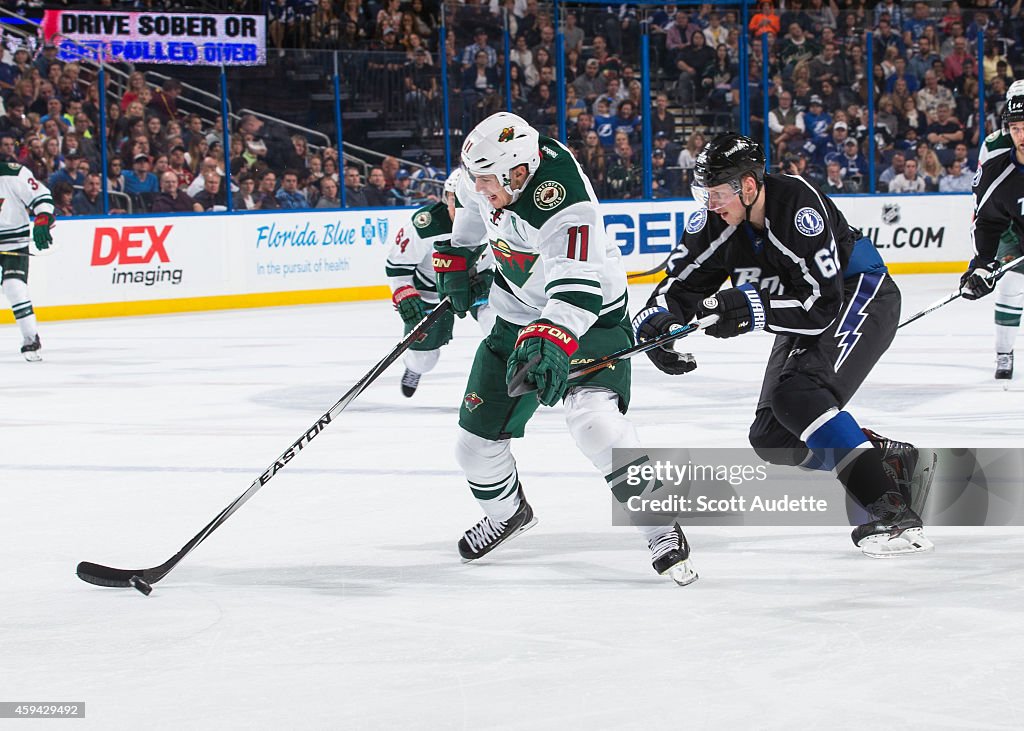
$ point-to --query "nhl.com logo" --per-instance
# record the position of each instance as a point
(891, 213)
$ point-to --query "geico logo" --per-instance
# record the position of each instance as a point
(129, 245)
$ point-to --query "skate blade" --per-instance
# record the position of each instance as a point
(908, 542)
(682, 573)
(33, 356)
(525, 527)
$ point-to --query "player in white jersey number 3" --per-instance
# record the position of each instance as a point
(559, 294)
(20, 192)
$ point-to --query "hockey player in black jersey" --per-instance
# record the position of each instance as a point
(799, 271)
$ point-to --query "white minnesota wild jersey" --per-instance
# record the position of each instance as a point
(552, 257)
(19, 191)
(411, 254)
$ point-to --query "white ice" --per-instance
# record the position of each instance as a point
(335, 599)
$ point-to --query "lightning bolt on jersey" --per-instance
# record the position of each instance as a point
(552, 258)
(20, 193)
(998, 196)
(797, 263)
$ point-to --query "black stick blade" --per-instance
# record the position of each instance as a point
(93, 573)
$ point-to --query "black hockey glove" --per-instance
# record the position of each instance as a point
(651, 323)
(978, 281)
(739, 311)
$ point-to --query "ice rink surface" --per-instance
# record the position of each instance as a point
(335, 599)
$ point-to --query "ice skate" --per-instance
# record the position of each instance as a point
(31, 350)
(896, 530)
(487, 535)
(670, 556)
(410, 382)
(899, 459)
(1004, 367)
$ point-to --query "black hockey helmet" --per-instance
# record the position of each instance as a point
(1014, 109)
(726, 159)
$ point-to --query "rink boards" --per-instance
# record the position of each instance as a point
(104, 267)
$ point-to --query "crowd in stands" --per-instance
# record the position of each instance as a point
(926, 123)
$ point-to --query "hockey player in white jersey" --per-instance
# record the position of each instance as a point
(410, 272)
(560, 297)
(21, 193)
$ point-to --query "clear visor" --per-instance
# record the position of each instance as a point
(718, 197)
(474, 176)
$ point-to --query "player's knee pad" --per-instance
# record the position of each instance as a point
(597, 425)
(798, 401)
(422, 361)
(773, 442)
(483, 459)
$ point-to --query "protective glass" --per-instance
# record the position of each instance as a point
(716, 198)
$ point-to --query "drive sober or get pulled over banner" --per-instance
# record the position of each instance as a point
(173, 38)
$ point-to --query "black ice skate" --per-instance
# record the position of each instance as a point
(31, 350)
(896, 529)
(670, 554)
(410, 382)
(1004, 366)
(899, 459)
(487, 535)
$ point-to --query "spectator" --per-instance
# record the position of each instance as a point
(584, 125)
(164, 103)
(908, 181)
(400, 195)
(664, 180)
(88, 201)
(945, 131)
(590, 85)
(420, 88)
(928, 166)
(208, 165)
(828, 66)
(691, 60)
(954, 61)
(919, 20)
(70, 173)
(786, 124)
(139, 180)
(15, 122)
(895, 168)
(354, 195)
(8, 148)
(853, 164)
(816, 123)
(246, 199)
(171, 199)
(604, 123)
(115, 176)
(592, 160)
(923, 59)
(212, 197)
(901, 74)
(765, 20)
(627, 121)
(266, 192)
(795, 48)
(624, 173)
(662, 120)
(289, 197)
(62, 193)
(669, 148)
(717, 79)
(479, 45)
(376, 193)
(960, 154)
(328, 194)
(543, 115)
(572, 34)
(956, 180)
(176, 163)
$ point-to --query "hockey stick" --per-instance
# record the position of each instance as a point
(518, 385)
(649, 272)
(17, 253)
(141, 579)
(957, 295)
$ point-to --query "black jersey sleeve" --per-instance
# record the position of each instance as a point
(991, 217)
(695, 268)
(801, 238)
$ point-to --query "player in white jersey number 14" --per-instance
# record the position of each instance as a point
(21, 237)
(559, 294)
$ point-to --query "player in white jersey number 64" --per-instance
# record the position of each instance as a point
(20, 193)
(559, 294)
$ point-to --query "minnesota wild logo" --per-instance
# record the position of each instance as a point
(515, 265)
(507, 134)
(472, 401)
(548, 195)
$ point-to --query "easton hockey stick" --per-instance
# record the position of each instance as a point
(956, 295)
(518, 385)
(142, 579)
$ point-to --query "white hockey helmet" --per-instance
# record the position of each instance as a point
(500, 143)
(1014, 109)
(451, 184)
